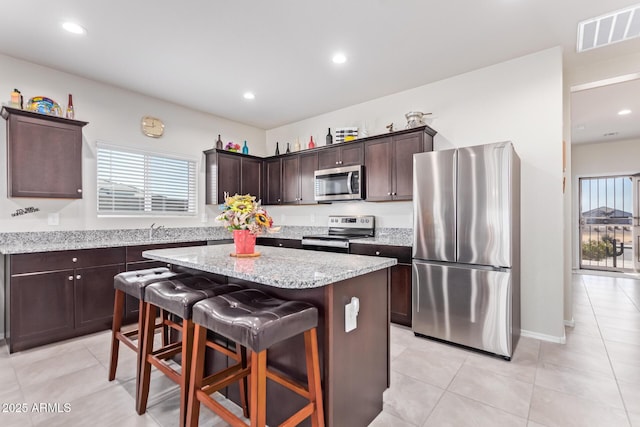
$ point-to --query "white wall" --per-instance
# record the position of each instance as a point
(114, 116)
(519, 100)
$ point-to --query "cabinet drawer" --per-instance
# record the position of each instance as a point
(401, 253)
(134, 253)
(61, 260)
(279, 243)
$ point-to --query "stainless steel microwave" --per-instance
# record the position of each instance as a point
(344, 183)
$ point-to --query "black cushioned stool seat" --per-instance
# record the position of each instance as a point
(176, 296)
(132, 283)
(257, 321)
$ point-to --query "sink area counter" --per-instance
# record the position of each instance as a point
(278, 267)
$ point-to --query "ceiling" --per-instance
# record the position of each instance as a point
(205, 54)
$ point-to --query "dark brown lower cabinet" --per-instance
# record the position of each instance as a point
(94, 296)
(400, 284)
(280, 243)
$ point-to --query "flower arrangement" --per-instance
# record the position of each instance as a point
(243, 212)
(231, 146)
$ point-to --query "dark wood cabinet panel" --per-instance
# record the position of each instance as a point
(41, 309)
(344, 154)
(389, 164)
(378, 169)
(273, 179)
(308, 165)
(231, 173)
(94, 296)
(401, 294)
(44, 155)
(290, 180)
(60, 260)
(251, 177)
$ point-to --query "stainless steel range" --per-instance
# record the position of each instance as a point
(342, 229)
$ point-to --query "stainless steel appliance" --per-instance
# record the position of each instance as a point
(343, 183)
(342, 229)
(466, 247)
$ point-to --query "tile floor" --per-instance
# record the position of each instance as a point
(592, 380)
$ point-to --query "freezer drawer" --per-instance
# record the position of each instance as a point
(464, 305)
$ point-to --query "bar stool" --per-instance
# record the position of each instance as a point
(257, 321)
(177, 296)
(132, 283)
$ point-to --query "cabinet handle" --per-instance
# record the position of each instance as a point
(74, 259)
(70, 277)
(388, 194)
(394, 194)
(280, 244)
(278, 200)
(79, 190)
(168, 265)
(78, 277)
(377, 252)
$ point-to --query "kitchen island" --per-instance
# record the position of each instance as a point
(354, 365)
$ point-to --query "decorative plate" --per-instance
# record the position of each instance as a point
(44, 105)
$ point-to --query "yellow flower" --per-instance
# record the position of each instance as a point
(263, 220)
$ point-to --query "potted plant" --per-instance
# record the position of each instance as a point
(244, 216)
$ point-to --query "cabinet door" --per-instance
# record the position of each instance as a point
(404, 147)
(251, 177)
(352, 153)
(45, 158)
(94, 295)
(272, 182)
(329, 158)
(308, 165)
(228, 176)
(290, 180)
(378, 169)
(400, 300)
(41, 309)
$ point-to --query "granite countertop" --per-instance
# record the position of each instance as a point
(47, 241)
(279, 267)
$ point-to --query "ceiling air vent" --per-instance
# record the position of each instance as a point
(611, 28)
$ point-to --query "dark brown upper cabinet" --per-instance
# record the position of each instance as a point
(232, 173)
(389, 163)
(44, 155)
(344, 154)
(273, 181)
(298, 180)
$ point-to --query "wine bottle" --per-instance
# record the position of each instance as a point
(219, 143)
(296, 146)
(329, 137)
(277, 148)
(245, 149)
(311, 143)
(70, 114)
(288, 149)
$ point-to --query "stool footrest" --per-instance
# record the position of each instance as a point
(299, 416)
(125, 339)
(168, 351)
(222, 379)
(228, 416)
(165, 369)
(224, 350)
(289, 383)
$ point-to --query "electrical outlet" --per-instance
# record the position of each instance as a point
(351, 311)
(53, 219)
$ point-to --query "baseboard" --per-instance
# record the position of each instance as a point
(544, 337)
(570, 323)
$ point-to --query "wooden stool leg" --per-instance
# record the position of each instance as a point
(118, 311)
(185, 375)
(258, 397)
(313, 376)
(243, 382)
(197, 374)
(146, 349)
(164, 316)
(140, 343)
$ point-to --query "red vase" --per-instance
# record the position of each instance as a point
(245, 241)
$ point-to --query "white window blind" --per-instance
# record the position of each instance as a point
(134, 182)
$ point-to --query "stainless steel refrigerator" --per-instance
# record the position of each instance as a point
(466, 247)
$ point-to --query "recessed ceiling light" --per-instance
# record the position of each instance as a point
(74, 28)
(249, 95)
(624, 112)
(339, 58)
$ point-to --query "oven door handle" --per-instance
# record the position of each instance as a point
(328, 243)
(349, 186)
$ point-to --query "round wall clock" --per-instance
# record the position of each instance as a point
(152, 126)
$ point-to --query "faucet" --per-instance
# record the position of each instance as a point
(154, 228)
